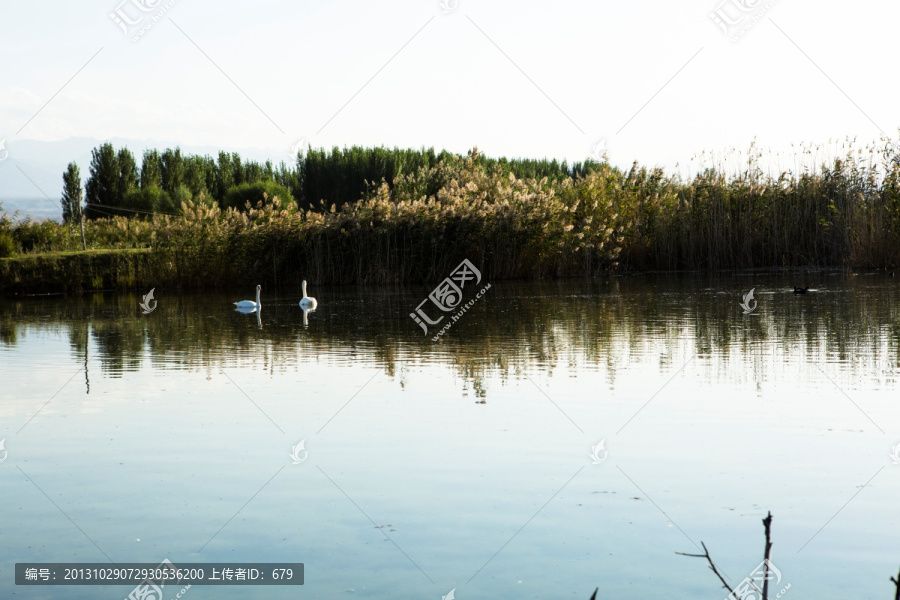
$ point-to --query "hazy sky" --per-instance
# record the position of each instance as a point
(659, 79)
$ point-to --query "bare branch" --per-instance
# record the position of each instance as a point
(897, 585)
(767, 522)
(712, 566)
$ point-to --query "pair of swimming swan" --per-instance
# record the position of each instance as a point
(306, 303)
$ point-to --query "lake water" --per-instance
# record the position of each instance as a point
(471, 463)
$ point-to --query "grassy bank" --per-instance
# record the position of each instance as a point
(73, 272)
(419, 227)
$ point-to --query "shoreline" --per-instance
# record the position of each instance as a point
(66, 273)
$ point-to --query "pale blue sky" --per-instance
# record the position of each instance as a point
(521, 78)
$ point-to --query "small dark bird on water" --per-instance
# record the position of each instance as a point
(799, 290)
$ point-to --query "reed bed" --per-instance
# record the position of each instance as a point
(418, 227)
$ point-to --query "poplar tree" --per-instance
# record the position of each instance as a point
(72, 194)
(103, 182)
(151, 175)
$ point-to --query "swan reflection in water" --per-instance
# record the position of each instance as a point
(306, 312)
(244, 310)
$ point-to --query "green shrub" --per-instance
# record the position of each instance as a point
(237, 196)
(38, 236)
(148, 200)
(7, 244)
(182, 195)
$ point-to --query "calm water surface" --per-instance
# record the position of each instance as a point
(465, 463)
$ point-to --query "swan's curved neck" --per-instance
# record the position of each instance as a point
(257, 295)
(304, 289)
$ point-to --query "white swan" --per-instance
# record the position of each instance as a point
(250, 303)
(306, 302)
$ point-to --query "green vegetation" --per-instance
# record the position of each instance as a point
(7, 244)
(77, 271)
(164, 181)
(561, 222)
(241, 195)
(345, 176)
(72, 194)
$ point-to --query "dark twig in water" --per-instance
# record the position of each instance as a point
(896, 584)
(594, 595)
(767, 522)
(712, 565)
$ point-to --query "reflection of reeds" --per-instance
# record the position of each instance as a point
(608, 326)
(846, 214)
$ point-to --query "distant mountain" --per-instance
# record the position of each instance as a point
(38, 209)
(31, 172)
(25, 179)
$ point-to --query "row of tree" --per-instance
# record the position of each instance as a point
(116, 185)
